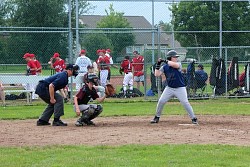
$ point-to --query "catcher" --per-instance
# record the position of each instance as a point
(88, 111)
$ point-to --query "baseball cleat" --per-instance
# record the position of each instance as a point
(195, 121)
(42, 123)
(155, 120)
(88, 122)
(59, 123)
(78, 123)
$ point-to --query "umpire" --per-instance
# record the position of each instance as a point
(46, 89)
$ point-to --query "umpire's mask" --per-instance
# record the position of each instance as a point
(73, 68)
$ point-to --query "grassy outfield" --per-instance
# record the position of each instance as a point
(130, 155)
(126, 156)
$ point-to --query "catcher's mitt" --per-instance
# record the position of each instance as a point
(109, 90)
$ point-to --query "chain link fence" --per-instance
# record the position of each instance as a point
(223, 58)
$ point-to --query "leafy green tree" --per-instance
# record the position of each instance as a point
(204, 16)
(166, 26)
(92, 42)
(116, 20)
(37, 13)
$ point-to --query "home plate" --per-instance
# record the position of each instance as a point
(187, 124)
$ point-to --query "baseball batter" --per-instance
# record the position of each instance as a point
(176, 85)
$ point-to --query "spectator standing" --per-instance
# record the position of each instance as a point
(126, 67)
(83, 62)
(59, 66)
(47, 88)
(138, 69)
(103, 63)
(31, 69)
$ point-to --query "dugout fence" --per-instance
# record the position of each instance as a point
(150, 39)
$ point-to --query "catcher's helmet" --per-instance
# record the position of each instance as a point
(92, 78)
(171, 53)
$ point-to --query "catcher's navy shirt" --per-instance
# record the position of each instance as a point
(59, 80)
(173, 75)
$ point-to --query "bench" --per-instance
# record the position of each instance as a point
(18, 81)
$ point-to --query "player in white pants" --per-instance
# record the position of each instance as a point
(126, 67)
(83, 62)
(176, 86)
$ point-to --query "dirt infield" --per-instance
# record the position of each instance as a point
(232, 130)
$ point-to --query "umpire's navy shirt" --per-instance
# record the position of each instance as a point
(59, 80)
(174, 76)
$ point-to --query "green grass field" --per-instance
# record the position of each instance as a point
(183, 155)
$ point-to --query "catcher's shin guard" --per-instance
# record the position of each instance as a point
(97, 111)
(90, 113)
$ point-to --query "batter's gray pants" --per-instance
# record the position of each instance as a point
(181, 94)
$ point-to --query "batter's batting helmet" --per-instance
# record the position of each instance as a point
(171, 53)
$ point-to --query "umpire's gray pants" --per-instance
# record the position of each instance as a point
(57, 108)
(180, 93)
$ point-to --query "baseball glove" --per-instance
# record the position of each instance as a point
(109, 90)
(120, 70)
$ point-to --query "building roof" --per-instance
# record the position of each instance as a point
(90, 21)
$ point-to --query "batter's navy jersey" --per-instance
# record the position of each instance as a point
(59, 80)
(173, 75)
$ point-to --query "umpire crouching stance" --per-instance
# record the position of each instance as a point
(46, 89)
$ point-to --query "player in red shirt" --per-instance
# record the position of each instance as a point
(30, 70)
(126, 67)
(37, 63)
(59, 64)
(103, 63)
(31, 66)
(138, 68)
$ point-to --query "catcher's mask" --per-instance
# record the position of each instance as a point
(73, 68)
(171, 53)
(92, 78)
